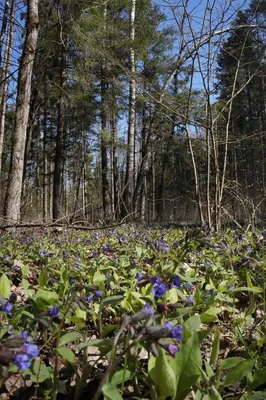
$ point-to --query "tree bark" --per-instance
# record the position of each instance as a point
(3, 29)
(14, 189)
(59, 142)
(129, 182)
(4, 78)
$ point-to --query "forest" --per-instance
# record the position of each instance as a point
(142, 111)
(132, 199)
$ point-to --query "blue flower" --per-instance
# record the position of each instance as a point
(139, 276)
(155, 280)
(159, 290)
(53, 311)
(98, 293)
(43, 253)
(191, 299)
(106, 247)
(7, 307)
(176, 282)
(122, 239)
(147, 308)
(169, 325)
(90, 298)
(172, 349)
(31, 350)
(96, 235)
(94, 254)
(177, 332)
(24, 334)
(22, 361)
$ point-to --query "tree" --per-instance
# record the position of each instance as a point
(14, 190)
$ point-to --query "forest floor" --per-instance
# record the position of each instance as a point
(133, 313)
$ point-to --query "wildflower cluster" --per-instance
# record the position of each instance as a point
(155, 335)
(19, 350)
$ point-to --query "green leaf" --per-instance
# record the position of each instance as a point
(109, 328)
(213, 311)
(215, 347)
(4, 286)
(43, 278)
(113, 299)
(139, 251)
(98, 278)
(121, 376)
(111, 392)
(254, 289)
(40, 372)
(25, 269)
(49, 296)
(258, 396)
(205, 318)
(81, 314)
(69, 337)
(238, 372)
(208, 369)
(66, 353)
(162, 374)
(185, 365)
(193, 323)
(231, 362)
(259, 378)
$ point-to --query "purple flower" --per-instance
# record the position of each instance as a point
(90, 298)
(53, 311)
(172, 349)
(106, 247)
(147, 308)
(96, 235)
(230, 287)
(22, 361)
(249, 249)
(7, 307)
(139, 276)
(94, 254)
(43, 253)
(177, 332)
(122, 239)
(31, 350)
(169, 325)
(208, 264)
(155, 280)
(98, 293)
(24, 334)
(159, 290)
(191, 299)
(176, 282)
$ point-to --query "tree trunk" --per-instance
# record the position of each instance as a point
(104, 156)
(14, 189)
(3, 29)
(59, 142)
(4, 78)
(129, 182)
